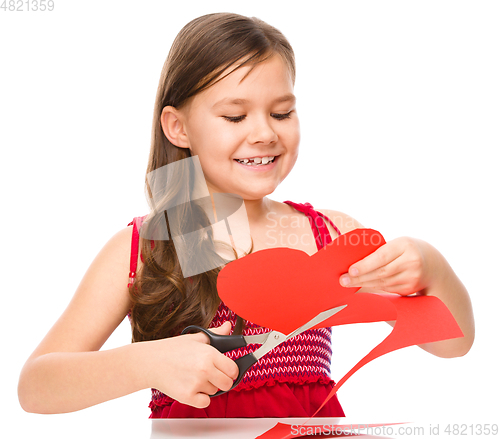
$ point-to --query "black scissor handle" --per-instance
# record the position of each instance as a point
(226, 343)
(223, 343)
(244, 363)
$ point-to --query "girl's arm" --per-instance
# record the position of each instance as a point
(67, 372)
(407, 265)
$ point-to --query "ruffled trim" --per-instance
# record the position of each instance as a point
(159, 400)
(243, 386)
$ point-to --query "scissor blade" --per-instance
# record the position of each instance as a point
(321, 317)
(274, 339)
(259, 338)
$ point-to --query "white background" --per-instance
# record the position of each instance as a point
(399, 107)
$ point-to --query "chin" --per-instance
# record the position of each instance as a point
(257, 195)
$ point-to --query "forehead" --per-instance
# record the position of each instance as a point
(262, 81)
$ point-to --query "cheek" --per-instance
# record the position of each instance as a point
(220, 136)
(290, 135)
(288, 163)
(291, 140)
(228, 136)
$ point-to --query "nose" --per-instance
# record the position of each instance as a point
(262, 132)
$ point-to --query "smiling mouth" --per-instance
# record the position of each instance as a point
(257, 161)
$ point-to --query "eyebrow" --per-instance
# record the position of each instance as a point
(231, 101)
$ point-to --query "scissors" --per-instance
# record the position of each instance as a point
(269, 340)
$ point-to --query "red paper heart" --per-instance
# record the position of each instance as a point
(283, 288)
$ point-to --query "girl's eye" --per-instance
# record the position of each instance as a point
(234, 119)
(277, 116)
(281, 116)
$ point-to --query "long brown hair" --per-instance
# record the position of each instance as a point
(163, 301)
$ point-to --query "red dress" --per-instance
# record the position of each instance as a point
(290, 381)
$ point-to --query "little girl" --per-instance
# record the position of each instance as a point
(226, 97)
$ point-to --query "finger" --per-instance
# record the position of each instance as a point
(395, 285)
(220, 380)
(383, 283)
(208, 388)
(224, 329)
(402, 290)
(385, 271)
(382, 256)
(199, 401)
(227, 366)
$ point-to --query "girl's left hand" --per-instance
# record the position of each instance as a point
(400, 266)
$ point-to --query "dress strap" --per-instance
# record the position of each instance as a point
(319, 228)
(134, 253)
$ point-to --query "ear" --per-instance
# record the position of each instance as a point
(172, 123)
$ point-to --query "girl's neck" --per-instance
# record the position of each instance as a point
(257, 210)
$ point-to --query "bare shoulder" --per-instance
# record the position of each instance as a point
(114, 256)
(111, 266)
(121, 242)
(344, 222)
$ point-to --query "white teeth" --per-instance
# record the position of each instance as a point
(256, 161)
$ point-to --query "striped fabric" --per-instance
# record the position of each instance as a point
(303, 359)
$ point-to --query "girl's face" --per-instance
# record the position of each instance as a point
(242, 118)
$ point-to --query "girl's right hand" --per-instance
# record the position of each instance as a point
(188, 369)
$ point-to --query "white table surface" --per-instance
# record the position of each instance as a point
(226, 428)
(82, 426)
(251, 428)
